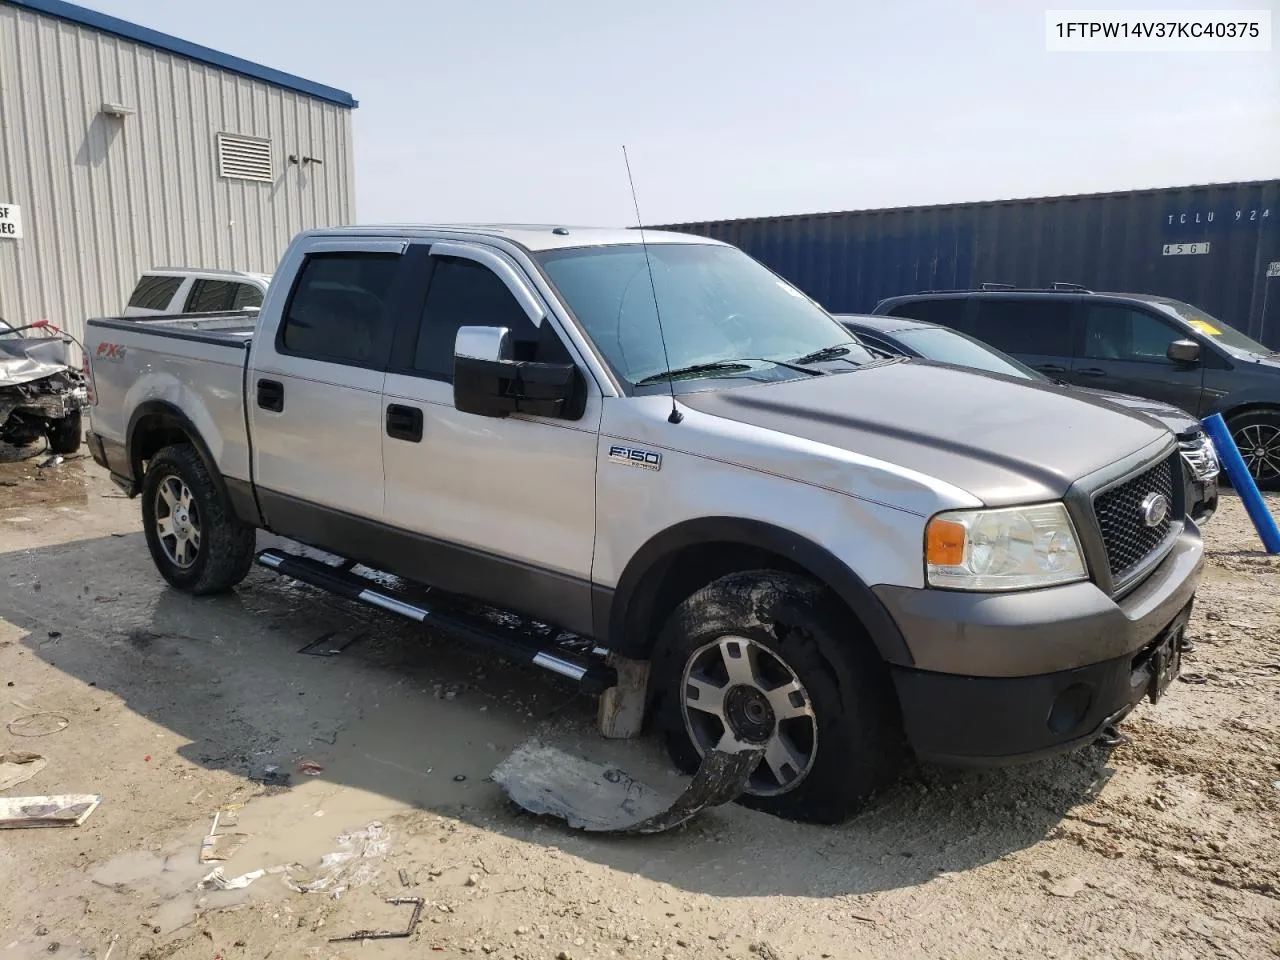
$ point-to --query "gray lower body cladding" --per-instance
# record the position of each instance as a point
(991, 672)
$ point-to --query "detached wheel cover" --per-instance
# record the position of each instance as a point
(739, 694)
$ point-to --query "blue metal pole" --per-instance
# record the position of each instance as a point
(1243, 483)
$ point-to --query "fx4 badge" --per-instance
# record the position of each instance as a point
(634, 457)
(110, 351)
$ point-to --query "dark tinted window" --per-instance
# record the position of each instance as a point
(1114, 332)
(876, 345)
(1038, 327)
(208, 296)
(464, 293)
(154, 293)
(337, 308)
(946, 313)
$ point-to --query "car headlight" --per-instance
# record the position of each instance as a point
(1201, 457)
(1012, 548)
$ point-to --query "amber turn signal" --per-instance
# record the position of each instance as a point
(944, 543)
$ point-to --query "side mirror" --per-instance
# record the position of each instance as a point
(489, 382)
(1184, 351)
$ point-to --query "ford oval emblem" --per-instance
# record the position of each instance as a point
(1155, 509)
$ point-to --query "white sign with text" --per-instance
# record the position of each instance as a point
(10, 221)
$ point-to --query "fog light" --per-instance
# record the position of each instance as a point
(1070, 708)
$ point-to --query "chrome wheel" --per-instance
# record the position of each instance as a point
(177, 522)
(738, 692)
(1259, 445)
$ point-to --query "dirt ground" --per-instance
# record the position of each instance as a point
(1165, 846)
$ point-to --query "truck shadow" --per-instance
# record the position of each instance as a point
(411, 717)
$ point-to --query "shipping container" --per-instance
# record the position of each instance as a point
(1216, 246)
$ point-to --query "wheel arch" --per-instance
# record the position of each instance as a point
(155, 425)
(675, 563)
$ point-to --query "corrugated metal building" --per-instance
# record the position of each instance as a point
(1216, 246)
(123, 149)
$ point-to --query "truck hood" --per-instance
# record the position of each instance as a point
(1005, 441)
(1167, 415)
(24, 359)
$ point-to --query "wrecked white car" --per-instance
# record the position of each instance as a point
(40, 394)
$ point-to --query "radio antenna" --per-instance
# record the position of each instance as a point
(675, 416)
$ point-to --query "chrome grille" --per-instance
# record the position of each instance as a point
(1128, 539)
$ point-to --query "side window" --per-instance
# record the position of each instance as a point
(945, 313)
(246, 295)
(465, 293)
(1114, 332)
(210, 296)
(154, 293)
(336, 311)
(1035, 327)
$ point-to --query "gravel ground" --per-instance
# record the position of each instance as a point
(1165, 846)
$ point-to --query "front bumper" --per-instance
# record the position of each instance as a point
(1010, 677)
(1202, 498)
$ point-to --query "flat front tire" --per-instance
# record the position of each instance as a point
(774, 660)
(197, 542)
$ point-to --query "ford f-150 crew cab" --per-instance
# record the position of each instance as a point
(675, 467)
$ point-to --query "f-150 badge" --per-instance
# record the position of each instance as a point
(634, 457)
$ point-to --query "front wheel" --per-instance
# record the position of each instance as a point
(1257, 434)
(773, 660)
(197, 542)
(66, 434)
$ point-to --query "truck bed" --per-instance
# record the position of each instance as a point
(192, 365)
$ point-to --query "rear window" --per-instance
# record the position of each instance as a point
(154, 293)
(1039, 327)
(209, 296)
(945, 313)
(337, 311)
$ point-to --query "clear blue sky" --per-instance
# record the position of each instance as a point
(504, 110)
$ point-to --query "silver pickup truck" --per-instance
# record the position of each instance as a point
(683, 480)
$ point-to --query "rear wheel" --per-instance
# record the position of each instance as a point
(770, 660)
(1257, 434)
(197, 542)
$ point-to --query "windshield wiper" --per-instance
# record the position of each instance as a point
(719, 365)
(833, 352)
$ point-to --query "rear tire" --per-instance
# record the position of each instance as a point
(65, 435)
(197, 542)
(841, 736)
(1257, 434)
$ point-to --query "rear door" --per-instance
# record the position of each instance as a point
(1124, 349)
(154, 294)
(315, 389)
(502, 509)
(1038, 331)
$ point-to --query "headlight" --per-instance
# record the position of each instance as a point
(1201, 457)
(1014, 548)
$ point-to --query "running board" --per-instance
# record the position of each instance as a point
(591, 678)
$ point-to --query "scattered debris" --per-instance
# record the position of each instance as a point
(459, 778)
(597, 797)
(271, 777)
(310, 768)
(216, 880)
(63, 810)
(16, 768)
(388, 934)
(331, 644)
(52, 461)
(345, 868)
(38, 725)
(218, 848)
(1068, 887)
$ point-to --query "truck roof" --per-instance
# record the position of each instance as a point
(533, 237)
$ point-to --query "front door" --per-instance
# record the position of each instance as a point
(503, 508)
(1124, 349)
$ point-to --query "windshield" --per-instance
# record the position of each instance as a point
(1228, 336)
(948, 346)
(717, 305)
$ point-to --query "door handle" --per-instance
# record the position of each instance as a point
(1050, 368)
(404, 423)
(1091, 372)
(271, 395)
